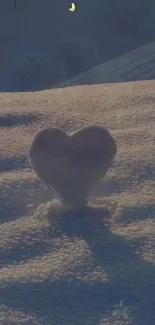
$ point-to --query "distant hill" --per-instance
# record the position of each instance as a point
(135, 65)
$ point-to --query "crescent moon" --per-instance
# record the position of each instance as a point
(73, 7)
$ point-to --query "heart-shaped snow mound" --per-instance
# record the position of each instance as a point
(72, 164)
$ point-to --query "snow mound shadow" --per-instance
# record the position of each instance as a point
(11, 120)
(13, 163)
